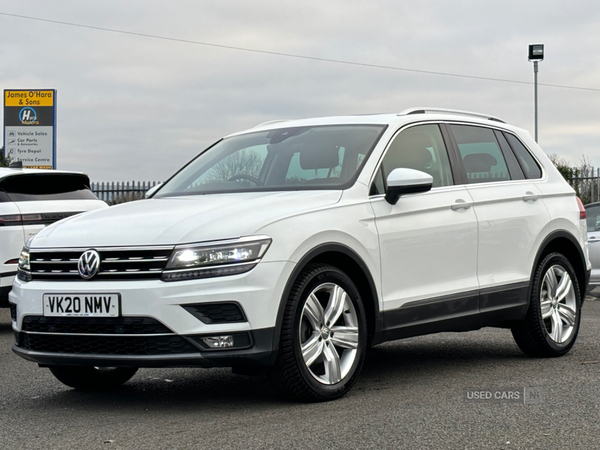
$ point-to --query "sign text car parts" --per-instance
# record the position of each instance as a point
(30, 127)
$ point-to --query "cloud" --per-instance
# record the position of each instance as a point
(138, 108)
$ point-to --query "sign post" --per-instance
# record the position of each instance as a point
(30, 127)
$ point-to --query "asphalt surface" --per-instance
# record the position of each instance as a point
(411, 394)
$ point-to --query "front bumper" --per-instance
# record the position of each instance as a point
(593, 287)
(70, 341)
(260, 354)
(7, 276)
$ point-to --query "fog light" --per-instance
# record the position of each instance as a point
(232, 341)
(219, 341)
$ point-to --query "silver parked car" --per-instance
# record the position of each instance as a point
(593, 230)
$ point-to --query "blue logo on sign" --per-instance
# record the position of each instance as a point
(27, 115)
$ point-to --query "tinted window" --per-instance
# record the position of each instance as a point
(482, 158)
(516, 173)
(420, 148)
(593, 218)
(530, 167)
(319, 157)
(46, 186)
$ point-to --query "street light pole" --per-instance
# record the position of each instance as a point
(535, 100)
(536, 54)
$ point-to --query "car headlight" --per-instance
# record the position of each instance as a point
(24, 270)
(215, 259)
(24, 260)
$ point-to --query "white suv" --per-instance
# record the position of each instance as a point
(29, 200)
(297, 245)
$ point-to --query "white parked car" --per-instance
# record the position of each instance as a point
(30, 200)
(297, 245)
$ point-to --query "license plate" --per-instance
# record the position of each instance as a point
(84, 305)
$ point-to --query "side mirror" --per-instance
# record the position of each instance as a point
(150, 192)
(406, 181)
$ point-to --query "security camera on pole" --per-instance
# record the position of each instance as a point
(536, 54)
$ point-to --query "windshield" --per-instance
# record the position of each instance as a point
(319, 157)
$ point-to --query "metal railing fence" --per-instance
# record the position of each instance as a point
(113, 192)
(586, 183)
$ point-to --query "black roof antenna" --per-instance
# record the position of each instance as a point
(16, 165)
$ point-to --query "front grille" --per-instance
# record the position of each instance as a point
(94, 325)
(106, 345)
(115, 264)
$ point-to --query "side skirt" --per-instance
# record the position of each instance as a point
(498, 306)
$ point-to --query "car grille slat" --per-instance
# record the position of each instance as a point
(106, 345)
(115, 264)
(101, 336)
(94, 325)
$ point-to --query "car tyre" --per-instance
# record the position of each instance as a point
(323, 337)
(552, 321)
(93, 378)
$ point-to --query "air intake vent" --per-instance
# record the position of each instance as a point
(212, 313)
(94, 325)
(106, 345)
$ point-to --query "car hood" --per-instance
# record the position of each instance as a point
(175, 220)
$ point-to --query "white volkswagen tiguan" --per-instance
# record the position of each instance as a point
(296, 245)
(31, 199)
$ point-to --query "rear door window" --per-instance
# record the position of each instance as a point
(481, 154)
(46, 186)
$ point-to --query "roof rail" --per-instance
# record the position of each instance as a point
(270, 122)
(410, 111)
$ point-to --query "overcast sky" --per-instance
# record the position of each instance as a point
(137, 108)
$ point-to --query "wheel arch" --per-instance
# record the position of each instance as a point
(565, 243)
(349, 262)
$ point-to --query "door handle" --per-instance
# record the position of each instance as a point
(530, 197)
(461, 204)
(593, 240)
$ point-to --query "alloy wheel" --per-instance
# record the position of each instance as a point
(558, 304)
(329, 333)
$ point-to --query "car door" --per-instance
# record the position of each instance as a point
(510, 216)
(428, 241)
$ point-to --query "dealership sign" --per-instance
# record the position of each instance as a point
(30, 127)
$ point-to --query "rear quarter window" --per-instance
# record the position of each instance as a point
(528, 163)
(51, 186)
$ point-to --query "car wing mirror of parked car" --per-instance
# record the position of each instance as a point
(150, 192)
(406, 181)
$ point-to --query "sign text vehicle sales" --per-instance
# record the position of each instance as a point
(30, 127)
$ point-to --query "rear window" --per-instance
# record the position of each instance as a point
(50, 186)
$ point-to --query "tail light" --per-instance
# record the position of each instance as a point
(33, 219)
(582, 214)
(12, 219)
